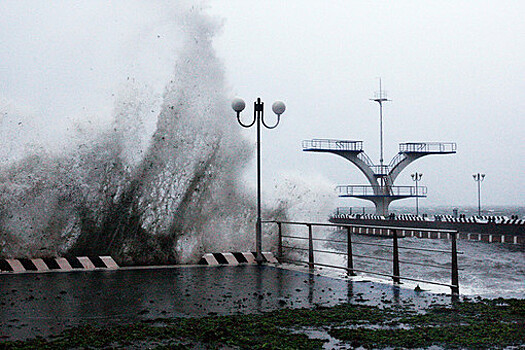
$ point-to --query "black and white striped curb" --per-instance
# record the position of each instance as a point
(235, 258)
(57, 264)
(497, 219)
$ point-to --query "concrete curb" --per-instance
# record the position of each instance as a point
(216, 259)
(57, 264)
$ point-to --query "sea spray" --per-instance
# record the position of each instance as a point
(302, 199)
(159, 183)
(18, 131)
(164, 198)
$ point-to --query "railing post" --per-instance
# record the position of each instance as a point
(310, 247)
(280, 243)
(395, 257)
(455, 274)
(349, 255)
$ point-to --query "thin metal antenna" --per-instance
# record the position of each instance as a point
(380, 97)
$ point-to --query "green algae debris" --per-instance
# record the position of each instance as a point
(484, 324)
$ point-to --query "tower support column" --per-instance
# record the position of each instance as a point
(382, 204)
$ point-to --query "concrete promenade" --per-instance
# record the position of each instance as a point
(45, 304)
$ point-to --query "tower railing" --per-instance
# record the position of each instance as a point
(333, 145)
(381, 170)
(427, 147)
(366, 159)
(396, 160)
(364, 190)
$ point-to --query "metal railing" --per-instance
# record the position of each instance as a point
(398, 158)
(382, 170)
(393, 232)
(427, 147)
(354, 210)
(365, 158)
(365, 190)
(333, 145)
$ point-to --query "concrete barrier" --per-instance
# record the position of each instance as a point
(215, 259)
(57, 264)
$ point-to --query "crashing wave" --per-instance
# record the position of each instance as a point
(141, 198)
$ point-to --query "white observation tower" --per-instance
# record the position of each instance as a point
(381, 190)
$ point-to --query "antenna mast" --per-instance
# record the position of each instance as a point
(380, 97)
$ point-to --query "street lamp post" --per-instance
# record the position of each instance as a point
(417, 177)
(278, 108)
(479, 179)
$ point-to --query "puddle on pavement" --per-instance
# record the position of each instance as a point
(44, 304)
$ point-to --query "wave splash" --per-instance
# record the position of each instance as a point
(144, 198)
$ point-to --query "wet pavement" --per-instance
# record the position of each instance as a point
(42, 304)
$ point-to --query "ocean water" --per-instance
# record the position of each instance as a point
(488, 270)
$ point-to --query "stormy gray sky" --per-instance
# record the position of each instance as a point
(455, 71)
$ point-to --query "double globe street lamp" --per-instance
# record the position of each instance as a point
(417, 177)
(479, 179)
(278, 108)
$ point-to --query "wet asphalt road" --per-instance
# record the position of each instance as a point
(46, 303)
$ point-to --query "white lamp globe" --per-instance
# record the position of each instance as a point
(238, 105)
(278, 107)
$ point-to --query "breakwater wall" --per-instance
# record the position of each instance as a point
(505, 231)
